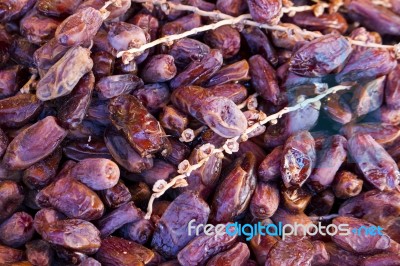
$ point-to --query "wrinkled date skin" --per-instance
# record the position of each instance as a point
(259, 43)
(265, 200)
(44, 217)
(238, 71)
(347, 185)
(392, 88)
(308, 20)
(123, 36)
(115, 196)
(39, 252)
(203, 247)
(19, 110)
(171, 233)
(10, 255)
(265, 11)
(48, 54)
(13, 9)
(200, 71)
(140, 232)
(33, 144)
(119, 251)
(124, 154)
(320, 56)
(374, 162)
(74, 234)
(71, 198)
(237, 255)
(141, 129)
(73, 108)
(295, 199)
(299, 158)
(270, 167)
(159, 68)
(79, 27)
(17, 230)
(290, 252)
(113, 86)
(263, 79)
(234, 193)
(232, 7)
(369, 97)
(62, 77)
(9, 81)
(57, 8)
(225, 38)
(4, 141)
(186, 50)
(11, 197)
(153, 96)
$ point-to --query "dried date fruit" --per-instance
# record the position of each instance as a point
(141, 231)
(4, 141)
(115, 10)
(25, 149)
(288, 39)
(346, 185)
(159, 68)
(236, 256)
(270, 167)
(259, 43)
(116, 196)
(57, 8)
(225, 38)
(39, 252)
(90, 262)
(369, 97)
(299, 159)
(171, 233)
(233, 195)
(161, 170)
(340, 257)
(374, 162)
(10, 255)
(119, 251)
(235, 72)
(320, 56)
(295, 199)
(291, 252)
(232, 7)
(73, 234)
(17, 230)
(141, 129)
(72, 198)
(338, 109)
(265, 11)
(79, 150)
(96, 173)
(103, 64)
(123, 36)
(260, 245)
(62, 77)
(153, 96)
(181, 24)
(321, 203)
(384, 134)
(14, 9)
(265, 200)
(48, 54)
(186, 50)
(10, 80)
(233, 91)
(324, 22)
(124, 154)
(44, 217)
(113, 86)
(392, 88)
(381, 259)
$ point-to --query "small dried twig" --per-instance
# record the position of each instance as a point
(230, 146)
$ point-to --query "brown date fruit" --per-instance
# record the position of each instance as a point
(308, 116)
(48, 54)
(374, 162)
(19, 110)
(321, 203)
(392, 88)
(295, 199)
(291, 252)
(89, 262)
(232, 7)
(159, 68)
(181, 24)
(147, 22)
(72, 198)
(10, 255)
(4, 141)
(235, 72)
(199, 71)
(236, 256)
(320, 56)
(41, 173)
(330, 159)
(153, 96)
(266, 11)
(62, 77)
(381, 259)
(72, 109)
(17, 230)
(225, 38)
(324, 22)
(123, 153)
(259, 43)
(263, 79)
(127, 213)
(260, 245)
(80, 27)
(103, 64)
(288, 40)
(141, 231)
(338, 109)
(39, 252)
(233, 194)
(265, 200)
(340, 257)
(123, 36)
(116, 196)
(14, 9)
(361, 243)
(186, 51)
(203, 247)
(22, 51)
(180, 151)
(141, 129)
(173, 121)
(369, 97)
(112, 86)
(117, 10)
(96, 173)
(44, 217)
(119, 251)
(25, 149)
(73, 234)
(346, 185)
(171, 234)
(270, 167)
(161, 170)
(299, 159)
(57, 8)
(233, 91)
(140, 192)
(10, 80)
(79, 150)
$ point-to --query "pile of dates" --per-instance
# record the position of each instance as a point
(85, 134)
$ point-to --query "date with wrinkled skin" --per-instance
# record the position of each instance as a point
(232, 7)
(10, 81)
(374, 162)
(285, 40)
(103, 64)
(141, 129)
(48, 55)
(324, 22)
(285, 216)
(72, 109)
(153, 96)
(338, 109)
(236, 256)
(320, 56)
(123, 36)
(26, 148)
(225, 38)
(362, 243)
(181, 24)
(79, 150)
(14, 9)
(384, 134)
(203, 247)
(39, 252)
(331, 158)
(299, 159)
(62, 77)
(200, 71)
(72, 198)
(4, 141)
(10, 255)
(17, 230)
(173, 121)
(346, 185)
(147, 22)
(381, 259)
(392, 88)
(159, 68)
(74, 234)
(186, 51)
(96, 173)
(80, 27)
(123, 153)
(233, 91)
(235, 72)
(263, 79)
(116, 196)
(57, 8)
(369, 97)
(113, 86)
(260, 245)
(171, 233)
(233, 194)
(111, 252)
(44, 217)
(295, 199)
(266, 11)
(270, 167)
(115, 10)
(265, 200)
(291, 252)
(19, 110)
(321, 203)
(302, 119)
(374, 206)
(259, 43)
(141, 231)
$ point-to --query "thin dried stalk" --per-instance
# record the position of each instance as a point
(230, 146)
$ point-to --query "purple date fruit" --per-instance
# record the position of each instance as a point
(266, 11)
(17, 230)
